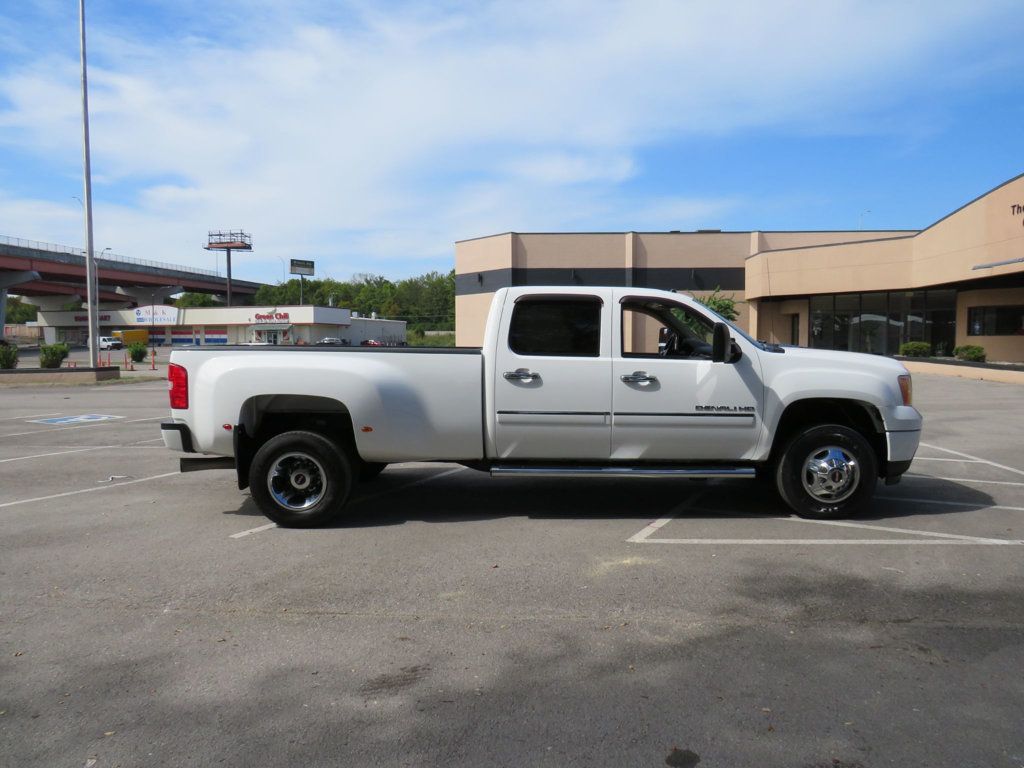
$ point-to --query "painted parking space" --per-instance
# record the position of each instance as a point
(949, 499)
(85, 418)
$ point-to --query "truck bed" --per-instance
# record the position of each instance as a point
(405, 403)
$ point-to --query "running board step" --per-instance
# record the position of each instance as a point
(693, 473)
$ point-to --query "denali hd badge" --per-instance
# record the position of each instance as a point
(726, 408)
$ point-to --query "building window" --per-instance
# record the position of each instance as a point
(878, 323)
(565, 327)
(995, 321)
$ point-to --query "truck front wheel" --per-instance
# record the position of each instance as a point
(827, 471)
(300, 479)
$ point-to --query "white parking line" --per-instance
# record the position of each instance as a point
(974, 504)
(975, 458)
(80, 426)
(954, 479)
(87, 490)
(650, 528)
(29, 416)
(909, 531)
(958, 461)
(831, 542)
(58, 453)
(360, 500)
(266, 527)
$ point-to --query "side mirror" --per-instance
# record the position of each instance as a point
(721, 344)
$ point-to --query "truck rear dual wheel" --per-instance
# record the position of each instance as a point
(828, 471)
(300, 479)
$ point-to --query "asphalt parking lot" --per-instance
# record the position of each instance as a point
(154, 618)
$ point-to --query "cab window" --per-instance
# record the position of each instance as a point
(653, 328)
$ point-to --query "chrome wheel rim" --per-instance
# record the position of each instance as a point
(830, 474)
(297, 481)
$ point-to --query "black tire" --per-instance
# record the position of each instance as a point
(370, 470)
(826, 472)
(310, 476)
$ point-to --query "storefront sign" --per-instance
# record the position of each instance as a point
(156, 314)
(1018, 210)
(85, 318)
(271, 317)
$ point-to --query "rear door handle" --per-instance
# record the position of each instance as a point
(521, 374)
(638, 377)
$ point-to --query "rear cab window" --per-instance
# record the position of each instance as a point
(556, 326)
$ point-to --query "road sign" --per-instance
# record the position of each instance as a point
(302, 267)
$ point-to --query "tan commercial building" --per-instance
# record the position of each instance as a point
(959, 281)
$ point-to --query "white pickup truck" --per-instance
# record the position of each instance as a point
(570, 382)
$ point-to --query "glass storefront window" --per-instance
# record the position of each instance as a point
(877, 323)
(846, 322)
(873, 322)
(899, 306)
(822, 308)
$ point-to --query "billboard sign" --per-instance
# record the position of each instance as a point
(302, 267)
(156, 314)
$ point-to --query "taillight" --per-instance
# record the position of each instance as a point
(906, 389)
(177, 386)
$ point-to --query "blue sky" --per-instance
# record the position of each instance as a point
(370, 136)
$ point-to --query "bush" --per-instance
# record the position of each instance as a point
(720, 303)
(8, 356)
(52, 355)
(972, 353)
(137, 351)
(915, 349)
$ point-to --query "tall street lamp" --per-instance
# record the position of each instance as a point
(90, 264)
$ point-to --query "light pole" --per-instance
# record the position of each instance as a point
(860, 219)
(90, 264)
(283, 278)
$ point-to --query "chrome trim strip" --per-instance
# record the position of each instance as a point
(747, 415)
(553, 413)
(746, 473)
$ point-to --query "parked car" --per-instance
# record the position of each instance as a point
(330, 341)
(109, 342)
(570, 382)
(371, 343)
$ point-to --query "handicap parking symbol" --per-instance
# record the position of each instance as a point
(85, 418)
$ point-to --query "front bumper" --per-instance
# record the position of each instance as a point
(177, 436)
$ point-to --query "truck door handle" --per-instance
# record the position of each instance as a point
(638, 377)
(521, 374)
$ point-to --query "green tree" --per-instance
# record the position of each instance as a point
(20, 312)
(426, 302)
(195, 300)
(720, 303)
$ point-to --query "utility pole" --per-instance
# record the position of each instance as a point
(90, 262)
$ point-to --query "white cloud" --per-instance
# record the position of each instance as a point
(378, 142)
